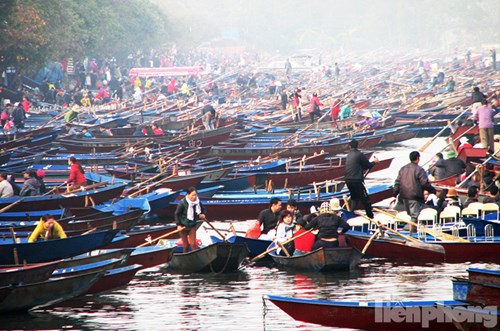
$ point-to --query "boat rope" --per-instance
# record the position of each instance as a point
(225, 264)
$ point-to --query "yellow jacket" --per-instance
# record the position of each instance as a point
(41, 230)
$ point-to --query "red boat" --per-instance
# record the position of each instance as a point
(317, 174)
(484, 276)
(114, 278)
(150, 256)
(485, 251)
(393, 315)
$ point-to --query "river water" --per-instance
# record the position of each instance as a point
(157, 300)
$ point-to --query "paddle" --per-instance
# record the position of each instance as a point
(4, 209)
(428, 143)
(261, 255)
(370, 241)
(414, 242)
(215, 229)
(432, 232)
(161, 237)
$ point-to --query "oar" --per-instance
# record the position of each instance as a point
(215, 229)
(89, 231)
(4, 209)
(161, 237)
(432, 232)
(52, 190)
(370, 241)
(414, 242)
(261, 255)
(427, 144)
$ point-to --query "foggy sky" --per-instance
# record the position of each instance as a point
(356, 25)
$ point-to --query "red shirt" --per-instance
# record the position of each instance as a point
(335, 112)
(314, 100)
(158, 131)
(76, 176)
(305, 242)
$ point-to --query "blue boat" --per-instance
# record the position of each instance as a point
(50, 250)
(481, 223)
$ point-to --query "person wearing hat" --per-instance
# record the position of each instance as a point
(355, 167)
(410, 185)
(464, 143)
(40, 174)
(18, 116)
(291, 206)
(71, 114)
(327, 223)
(452, 198)
(453, 165)
(303, 242)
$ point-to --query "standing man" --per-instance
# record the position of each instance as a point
(268, 218)
(485, 121)
(356, 165)
(411, 183)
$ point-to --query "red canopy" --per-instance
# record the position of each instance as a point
(165, 71)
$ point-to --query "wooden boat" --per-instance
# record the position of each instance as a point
(138, 236)
(448, 181)
(49, 292)
(303, 178)
(97, 255)
(455, 252)
(484, 276)
(376, 315)
(472, 154)
(471, 317)
(255, 246)
(50, 250)
(98, 266)
(71, 200)
(27, 274)
(150, 256)
(476, 293)
(114, 278)
(221, 257)
(480, 224)
(322, 259)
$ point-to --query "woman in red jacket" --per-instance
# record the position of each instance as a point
(314, 107)
(76, 174)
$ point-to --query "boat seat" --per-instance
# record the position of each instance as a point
(427, 216)
(476, 206)
(449, 214)
(470, 213)
(384, 219)
(471, 232)
(401, 215)
(489, 208)
(454, 231)
(489, 234)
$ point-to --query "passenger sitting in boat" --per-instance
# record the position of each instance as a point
(68, 129)
(464, 143)
(452, 198)
(86, 133)
(472, 196)
(40, 174)
(31, 185)
(188, 212)
(437, 170)
(105, 131)
(453, 165)
(76, 174)
(268, 218)
(157, 130)
(291, 206)
(6, 190)
(47, 229)
(327, 224)
(304, 243)
(492, 196)
(284, 231)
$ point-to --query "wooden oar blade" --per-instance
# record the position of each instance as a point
(430, 247)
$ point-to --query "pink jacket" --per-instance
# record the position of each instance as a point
(484, 117)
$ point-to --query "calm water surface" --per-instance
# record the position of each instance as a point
(157, 300)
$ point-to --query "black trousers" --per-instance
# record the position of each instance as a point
(359, 193)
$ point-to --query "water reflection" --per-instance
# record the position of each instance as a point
(41, 321)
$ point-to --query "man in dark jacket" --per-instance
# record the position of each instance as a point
(268, 218)
(410, 184)
(356, 165)
(453, 165)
